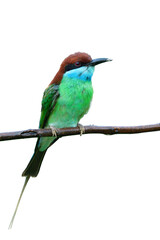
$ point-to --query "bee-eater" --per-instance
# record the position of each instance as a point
(65, 101)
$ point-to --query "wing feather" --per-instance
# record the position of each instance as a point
(50, 96)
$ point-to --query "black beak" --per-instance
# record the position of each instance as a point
(97, 61)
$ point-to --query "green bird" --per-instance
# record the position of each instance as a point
(65, 101)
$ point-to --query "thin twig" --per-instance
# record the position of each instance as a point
(61, 132)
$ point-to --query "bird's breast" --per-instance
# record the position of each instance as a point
(73, 103)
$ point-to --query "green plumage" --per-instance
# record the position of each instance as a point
(74, 101)
(62, 106)
(48, 102)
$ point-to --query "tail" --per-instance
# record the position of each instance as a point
(31, 170)
(34, 165)
(14, 214)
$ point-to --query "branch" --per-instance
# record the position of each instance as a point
(61, 132)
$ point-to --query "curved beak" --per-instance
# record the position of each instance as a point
(97, 61)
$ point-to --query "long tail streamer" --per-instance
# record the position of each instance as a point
(13, 217)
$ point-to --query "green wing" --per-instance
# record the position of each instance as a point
(49, 100)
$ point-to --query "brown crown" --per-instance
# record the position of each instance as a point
(76, 57)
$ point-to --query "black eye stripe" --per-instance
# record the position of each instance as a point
(74, 66)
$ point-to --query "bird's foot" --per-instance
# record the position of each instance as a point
(54, 131)
(82, 129)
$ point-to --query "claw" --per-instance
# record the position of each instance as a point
(82, 129)
(54, 131)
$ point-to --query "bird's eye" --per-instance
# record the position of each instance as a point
(77, 64)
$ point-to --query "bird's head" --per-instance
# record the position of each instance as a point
(78, 65)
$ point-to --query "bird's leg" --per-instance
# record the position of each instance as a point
(82, 129)
(54, 131)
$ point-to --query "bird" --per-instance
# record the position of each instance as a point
(65, 101)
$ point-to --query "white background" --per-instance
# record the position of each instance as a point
(94, 186)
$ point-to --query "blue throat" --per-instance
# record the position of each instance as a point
(82, 73)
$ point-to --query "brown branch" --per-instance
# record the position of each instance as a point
(61, 132)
